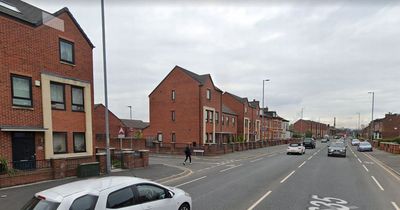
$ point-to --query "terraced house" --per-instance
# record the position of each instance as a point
(46, 88)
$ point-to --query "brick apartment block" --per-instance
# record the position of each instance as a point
(317, 129)
(384, 128)
(274, 126)
(46, 86)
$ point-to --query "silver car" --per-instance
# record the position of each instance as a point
(364, 146)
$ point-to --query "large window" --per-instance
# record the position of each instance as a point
(217, 117)
(121, 198)
(211, 114)
(79, 142)
(233, 121)
(59, 143)
(21, 91)
(77, 99)
(173, 137)
(57, 96)
(67, 51)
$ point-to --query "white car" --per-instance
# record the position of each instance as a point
(113, 192)
(296, 148)
(355, 142)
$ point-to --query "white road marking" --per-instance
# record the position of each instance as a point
(359, 160)
(384, 167)
(302, 164)
(283, 180)
(259, 200)
(230, 168)
(377, 183)
(395, 206)
(191, 181)
(256, 160)
(365, 168)
(310, 157)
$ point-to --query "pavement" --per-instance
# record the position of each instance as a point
(267, 178)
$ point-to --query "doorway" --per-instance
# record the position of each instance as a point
(23, 150)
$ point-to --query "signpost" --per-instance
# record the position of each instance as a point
(121, 135)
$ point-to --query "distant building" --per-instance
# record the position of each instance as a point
(317, 129)
(384, 128)
(134, 128)
(274, 127)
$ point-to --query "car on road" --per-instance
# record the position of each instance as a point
(324, 140)
(355, 142)
(296, 148)
(364, 146)
(337, 149)
(111, 192)
(309, 143)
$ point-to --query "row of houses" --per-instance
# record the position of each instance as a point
(383, 128)
(189, 108)
(316, 129)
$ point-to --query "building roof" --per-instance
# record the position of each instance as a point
(227, 110)
(138, 124)
(238, 98)
(32, 15)
(255, 104)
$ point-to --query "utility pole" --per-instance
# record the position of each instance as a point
(130, 108)
(301, 122)
(372, 114)
(108, 156)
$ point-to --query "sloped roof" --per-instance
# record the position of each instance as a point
(227, 110)
(135, 123)
(199, 78)
(34, 16)
(240, 99)
(254, 104)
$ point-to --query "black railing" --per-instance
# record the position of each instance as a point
(29, 164)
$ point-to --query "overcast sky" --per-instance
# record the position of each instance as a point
(320, 57)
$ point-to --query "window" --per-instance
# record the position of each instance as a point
(208, 94)
(222, 120)
(67, 51)
(59, 143)
(227, 120)
(77, 99)
(21, 91)
(217, 117)
(121, 198)
(233, 121)
(245, 109)
(206, 115)
(173, 95)
(173, 137)
(36, 203)
(159, 136)
(87, 202)
(79, 142)
(57, 96)
(173, 115)
(149, 193)
(211, 114)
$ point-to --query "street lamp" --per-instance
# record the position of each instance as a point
(130, 111)
(263, 107)
(372, 115)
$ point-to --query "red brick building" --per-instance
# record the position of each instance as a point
(274, 127)
(384, 128)
(184, 108)
(229, 122)
(248, 122)
(318, 130)
(46, 86)
(115, 124)
(134, 128)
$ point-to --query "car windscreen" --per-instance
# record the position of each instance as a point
(39, 204)
(295, 145)
(365, 144)
(307, 140)
(337, 145)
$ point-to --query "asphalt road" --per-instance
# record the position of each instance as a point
(270, 179)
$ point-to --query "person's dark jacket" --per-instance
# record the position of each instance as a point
(187, 151)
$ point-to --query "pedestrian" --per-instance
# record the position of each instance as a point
(188, 154)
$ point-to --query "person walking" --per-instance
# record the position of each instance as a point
(188, 154)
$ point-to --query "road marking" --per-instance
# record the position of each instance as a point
(191, 181)
(283, 180)
(230, 168)
(365, 168)
(256, 160)
(395, 206)
(302, 164)
(259, 200)
(383, 166)
(310, 157)
(377, 183)
(359, 160)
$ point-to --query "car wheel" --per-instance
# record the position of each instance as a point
(184, 206)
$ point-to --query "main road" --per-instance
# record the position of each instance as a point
(268, 178)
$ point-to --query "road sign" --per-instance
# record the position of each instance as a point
(121, 133)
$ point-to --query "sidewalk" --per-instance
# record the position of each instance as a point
(389, 159)
(15, 197)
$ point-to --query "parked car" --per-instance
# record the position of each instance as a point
(309, 143)
(296, 148)
(355, 142)
(364, 146)
(337, 149)
(112, 192)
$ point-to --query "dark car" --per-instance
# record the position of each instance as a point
(337, 149)
(309, 143)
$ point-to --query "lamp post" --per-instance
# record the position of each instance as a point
(108, 157)
(130, 112)
(263, 107)
(358, 125)
(372, 115)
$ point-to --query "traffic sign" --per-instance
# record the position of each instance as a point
(121, 133)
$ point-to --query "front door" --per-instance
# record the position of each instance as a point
(23, 150)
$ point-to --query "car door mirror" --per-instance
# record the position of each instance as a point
(170, 194)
